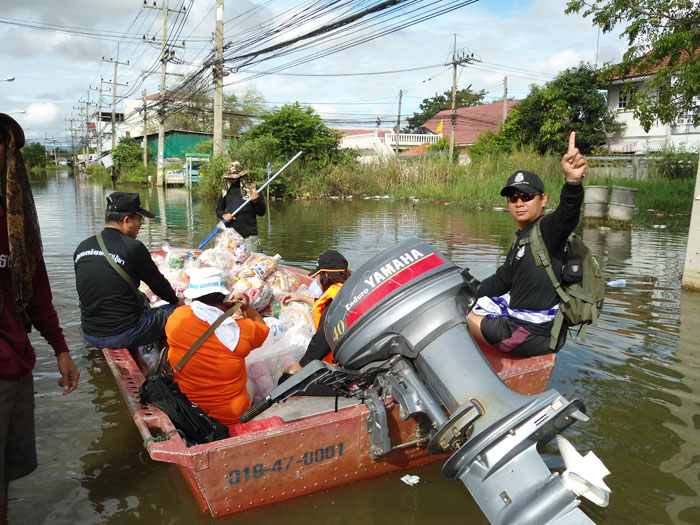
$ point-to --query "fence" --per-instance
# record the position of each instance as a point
(625, 166)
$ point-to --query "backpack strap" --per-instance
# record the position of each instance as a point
(114, 265)
(541, 255)
(228, 313)
(539, 252)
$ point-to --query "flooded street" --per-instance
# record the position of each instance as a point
(638, 372)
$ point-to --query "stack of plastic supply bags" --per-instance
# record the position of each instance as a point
(265, 283)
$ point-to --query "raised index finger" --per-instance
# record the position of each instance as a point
(572, 142)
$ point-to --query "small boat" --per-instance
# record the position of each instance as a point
(416, 389)
(317, 448)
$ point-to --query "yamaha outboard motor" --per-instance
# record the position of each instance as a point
(399, 324)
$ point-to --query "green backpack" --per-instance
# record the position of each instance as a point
(582, 289)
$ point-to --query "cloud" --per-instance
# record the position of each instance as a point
(41, 114)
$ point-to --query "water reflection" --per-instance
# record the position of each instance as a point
(637, 372)
(684, 420)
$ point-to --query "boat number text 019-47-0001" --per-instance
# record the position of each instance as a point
(286, 463)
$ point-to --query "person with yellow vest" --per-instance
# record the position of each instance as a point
(331, 272)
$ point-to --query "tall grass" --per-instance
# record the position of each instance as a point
(478, 184)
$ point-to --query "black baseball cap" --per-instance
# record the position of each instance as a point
(525, 181)
(127, 203)
(330, 261)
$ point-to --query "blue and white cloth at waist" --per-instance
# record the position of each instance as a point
(500, 306)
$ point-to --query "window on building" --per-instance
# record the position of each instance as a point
(623, 100)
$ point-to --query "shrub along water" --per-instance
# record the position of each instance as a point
(474, 186)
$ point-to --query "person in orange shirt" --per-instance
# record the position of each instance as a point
(331, 272)
(215, 376)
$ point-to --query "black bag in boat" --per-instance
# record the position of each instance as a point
(197, 427)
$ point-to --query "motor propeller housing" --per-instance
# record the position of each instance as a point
(406, 307)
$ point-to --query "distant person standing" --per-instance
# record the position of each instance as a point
(25, 300)
(238, 189)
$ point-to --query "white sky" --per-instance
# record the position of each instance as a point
(529, 41)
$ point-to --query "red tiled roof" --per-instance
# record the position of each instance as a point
(636, 72)
(416, 151)
(470, 121)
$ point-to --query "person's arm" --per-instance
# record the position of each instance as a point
(498, 283)
(246, 308)
(45, 319)
(221, 206)
(258, 204)
(557, 226)
(318, 346)
(297, 297)
(148, 272)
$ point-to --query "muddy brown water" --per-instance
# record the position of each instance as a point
(638, 373)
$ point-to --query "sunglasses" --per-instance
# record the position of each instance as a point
(525, 197)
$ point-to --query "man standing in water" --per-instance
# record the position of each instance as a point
(517, 305)
(238, 190)
(25, 300)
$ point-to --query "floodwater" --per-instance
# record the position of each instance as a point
(638, 372)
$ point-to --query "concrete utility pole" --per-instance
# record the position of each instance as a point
(456, 61)
(98, 124)
(398, 124)
(691, 270)
(72, 141)
(145, 131)
(505, 98)
(219, 81)
(114, 97)
(165, 57)
(81, 125)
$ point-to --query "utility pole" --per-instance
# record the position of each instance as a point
(505, 98)
(219, 80)
(398, 124)
(98, 124)
(72, 140)
(81, 121)
(114, 97)
(456, 61)
(145, 131)
(165, 57)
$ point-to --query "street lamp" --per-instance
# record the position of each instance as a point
(8, 79)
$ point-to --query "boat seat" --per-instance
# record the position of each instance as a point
(297, 407)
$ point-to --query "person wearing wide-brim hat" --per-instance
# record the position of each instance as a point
(238, 189)
(215, 376)
(25, 301)
(516, 307)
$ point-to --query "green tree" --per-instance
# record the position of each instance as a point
(659, 33)
(197, 114)
(434, 105)
(574, 101)
(295, 128)
(34, 155)
(240, 112)
(127, 155)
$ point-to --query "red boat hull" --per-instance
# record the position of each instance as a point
(310, 452)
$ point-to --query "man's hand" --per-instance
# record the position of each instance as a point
(228, 217)
(69, 372)
(573, 162)
(255, 196)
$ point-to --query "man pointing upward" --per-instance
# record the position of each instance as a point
(517, 304)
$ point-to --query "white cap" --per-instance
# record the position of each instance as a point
(204, 281)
